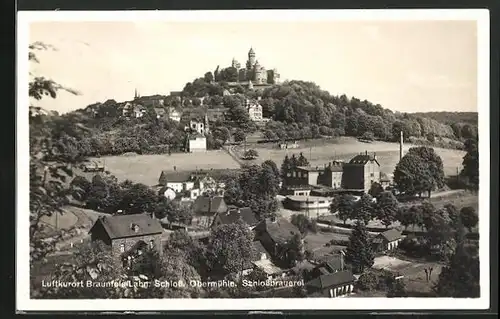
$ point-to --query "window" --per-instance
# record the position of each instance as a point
(122, 248)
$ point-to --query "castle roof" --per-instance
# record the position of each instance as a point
(251, 51)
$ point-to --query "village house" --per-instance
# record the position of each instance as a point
(301, 190)
(387, 240)
(160, 112)
(196, 143)
(234, 214)
(216, 114)
(329, 264)
(357, 175)
(312, 206)
(361, 172)
(254, 110)
(259, 253)
(176, 180)
(332, 285)
(206, 208)
(139, 111)
(174, 115)
(274, 234)
(167, 192)
(128, 235)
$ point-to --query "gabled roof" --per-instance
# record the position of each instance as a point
(362, 159)
(207, 205)
(234, 214)
(121, 226)
(391, 234)
(332, 263)
(280, 231)
(331, 280)
(176, 176)
(258, 250)
(310, 168)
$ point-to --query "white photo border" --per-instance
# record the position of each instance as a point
(23, 301)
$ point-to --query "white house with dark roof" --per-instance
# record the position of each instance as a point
(387, 240)
(177, 180)
(332, 285)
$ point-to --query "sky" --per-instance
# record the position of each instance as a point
(406, 66)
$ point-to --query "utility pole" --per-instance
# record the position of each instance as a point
(310, 156)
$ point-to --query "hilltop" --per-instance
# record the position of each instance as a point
(294, 110)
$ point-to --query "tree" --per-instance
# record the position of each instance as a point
(407, 216)
(375, 190)
(460, 277)
(469, 217)
(412, 175)
(239, 135)
(285, 167)
(48, 191)
(470, 164)
(346, 207)
(302, 160)
(364, 209)
(301, 221)
(251, 154)
(95, 262)
(386, 208)
(359, 252)
(434, 165)
(209, 77)
(294, 250)
(368, 136)
(230, 248)
(222, 134)
(397, 289)
(272, 165)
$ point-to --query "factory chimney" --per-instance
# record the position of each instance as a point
(401, 146)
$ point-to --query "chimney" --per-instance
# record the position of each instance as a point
(366, 152)
(175, 168)
(374, 155)
(341, 260)
(401, 146)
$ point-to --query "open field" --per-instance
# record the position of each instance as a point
(320, 152)
(146, 169)
(316, 241)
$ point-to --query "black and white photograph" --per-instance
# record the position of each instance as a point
(267, 159)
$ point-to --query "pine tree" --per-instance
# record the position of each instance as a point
(364, 209)
(302, 160)
(359, 252)
(285, 167)
(460, 278)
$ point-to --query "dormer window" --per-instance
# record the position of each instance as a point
(134, 228)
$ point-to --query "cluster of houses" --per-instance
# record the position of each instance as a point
(130, 235)
(310, 189)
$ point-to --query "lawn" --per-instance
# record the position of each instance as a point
(320, 152)
(146, 169)
(316, 241)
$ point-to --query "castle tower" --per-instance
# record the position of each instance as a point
(401, 146)
(136, 95)
(251, 58)
(235, 64)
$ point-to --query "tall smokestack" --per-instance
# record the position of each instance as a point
(401, 146)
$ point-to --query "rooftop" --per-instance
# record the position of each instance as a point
(362, 159)
(332, 279)
(121, 226)
(391, 234)
(280, 230)
(234, 214)
(309, 199)
(267, 266)
(208, 205)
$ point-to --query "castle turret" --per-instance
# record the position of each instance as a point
(251, 58)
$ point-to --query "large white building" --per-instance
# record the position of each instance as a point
(197, 143)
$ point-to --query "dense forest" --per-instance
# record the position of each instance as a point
(450, 117)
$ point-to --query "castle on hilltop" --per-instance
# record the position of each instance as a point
(254, 73)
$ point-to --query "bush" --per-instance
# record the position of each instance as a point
(367, 282)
